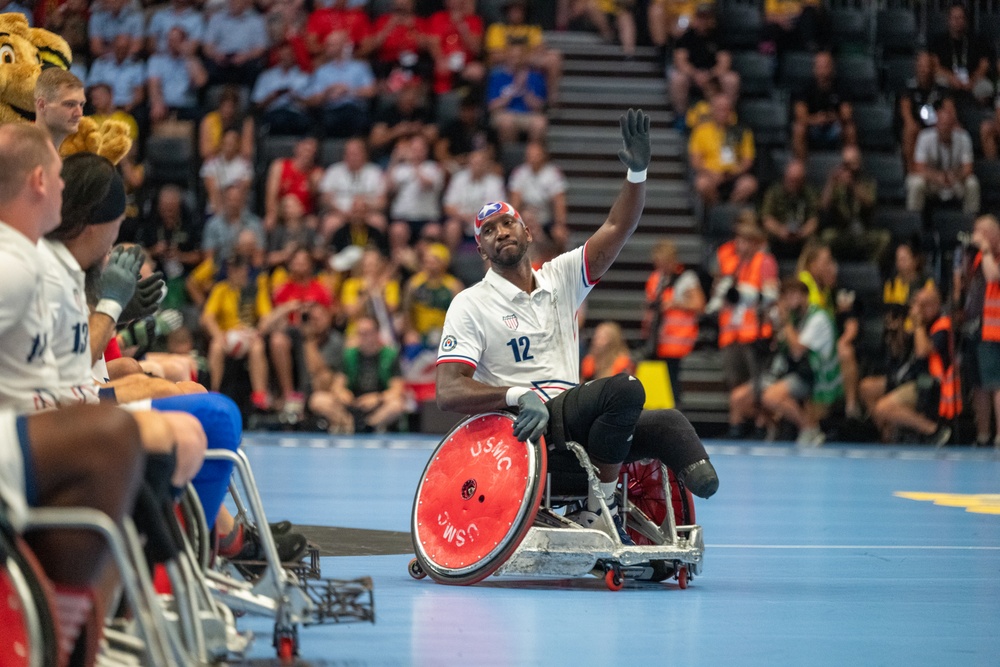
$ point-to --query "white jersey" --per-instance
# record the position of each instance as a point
(517, 339)
(27, 365)
(70, 343)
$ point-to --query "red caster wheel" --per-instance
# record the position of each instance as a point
(613, 579)
(415, 570)
(682, 577)
(286, 650)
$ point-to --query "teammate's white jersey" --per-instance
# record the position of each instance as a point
(517, 339)
(64, 289)
(27, 365)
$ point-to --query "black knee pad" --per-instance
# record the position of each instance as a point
(623, 397)
(700, 478)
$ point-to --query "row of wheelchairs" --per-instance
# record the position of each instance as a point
(179, 600)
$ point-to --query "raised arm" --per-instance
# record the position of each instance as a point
(604, 246)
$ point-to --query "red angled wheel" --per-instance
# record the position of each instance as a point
(25, 611)
(613, 579)
(646, 491)
(682, 577)
(477, 498)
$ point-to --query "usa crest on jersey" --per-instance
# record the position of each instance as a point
(510, 321)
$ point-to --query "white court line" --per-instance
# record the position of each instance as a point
(853, 546)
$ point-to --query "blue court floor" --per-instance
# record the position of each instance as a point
(837, 556)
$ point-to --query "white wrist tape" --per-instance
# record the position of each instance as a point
(109, 307)
(636, 176)
(514, 393)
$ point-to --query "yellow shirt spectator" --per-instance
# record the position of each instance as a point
(774, 9)
(351, 295)
(429, 300)
(721, 149)
(501, 35)
(232, 308)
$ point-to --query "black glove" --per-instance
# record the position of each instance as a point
(532, 417)
(146, 300)
(635, 135)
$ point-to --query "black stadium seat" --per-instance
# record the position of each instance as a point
(897, 71)
(902, 224)
(170, 160)
(819, 166)
(739, 26)
(864, 279)
(796, 71)
(756, 72)
(988, 173)
(896, 31)
(874, 122)
(857, 75)
(331, 151)
(768, 119)
(719, 222)
(270, 148)
(946, 225)
(849, 28)
(888, 171)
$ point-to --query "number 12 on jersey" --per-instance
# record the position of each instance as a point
(520, 347)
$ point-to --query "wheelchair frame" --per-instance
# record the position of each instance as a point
(553, 545)
(279, 593)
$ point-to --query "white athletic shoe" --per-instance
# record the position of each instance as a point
(810, 437)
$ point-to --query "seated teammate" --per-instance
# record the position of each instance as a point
(93, 207)
(30, 197)
(511, 340)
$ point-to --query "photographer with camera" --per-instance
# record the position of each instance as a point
(804, 376)
(746, 284)
(929, 398)
(977, 278)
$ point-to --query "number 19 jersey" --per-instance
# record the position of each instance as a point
(517, 339)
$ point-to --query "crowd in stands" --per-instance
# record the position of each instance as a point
(835, 161)
(338, 154)
(343, 148)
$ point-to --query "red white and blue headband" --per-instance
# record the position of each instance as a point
(492, 210)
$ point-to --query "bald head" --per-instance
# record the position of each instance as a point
(795, 175)
(25, 148)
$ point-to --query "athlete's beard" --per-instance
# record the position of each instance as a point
(510, 261)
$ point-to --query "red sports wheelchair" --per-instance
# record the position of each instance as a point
(489, 504)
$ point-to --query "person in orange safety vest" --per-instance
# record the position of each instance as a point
(674, 300)
(745, 287)
(926, 403)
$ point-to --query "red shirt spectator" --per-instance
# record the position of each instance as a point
(460, 42)
(398, 38)
(308, 293)
(325, 20)
(297, 175)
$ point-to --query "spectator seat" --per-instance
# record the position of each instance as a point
(756, 72)
(874, 122)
